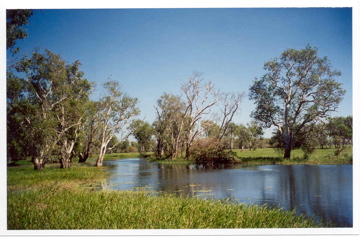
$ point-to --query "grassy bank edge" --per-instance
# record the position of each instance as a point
(267, 156)
(54, 195)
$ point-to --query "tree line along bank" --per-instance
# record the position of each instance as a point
(50, 114)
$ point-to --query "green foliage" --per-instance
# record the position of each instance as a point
(88, 138)
(128, 147)
(115, 112)
(45, 109)
(336, 132)
(298, 89)
(18, 133)
(143, 133)
(210, 128)
(340, 129)
(255, 134)
(169, 125)
(15, 19)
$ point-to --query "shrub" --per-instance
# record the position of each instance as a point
(210, 152)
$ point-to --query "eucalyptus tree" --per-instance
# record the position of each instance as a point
(15, 20)
(299, 88)
(41, 71)
(51, 101)
(340, 130)
(72, 93)
(230, 103)
(18, 132)
(232, 131)
(199, 99)
(143, 133)
(210, 128)
(255, 132)
(89, 132)
(169, 125)
(24, 126)
(115, 112)
(124, 146)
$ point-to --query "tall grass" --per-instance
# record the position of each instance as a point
(55, 208)
(55, 198)
(26, 177)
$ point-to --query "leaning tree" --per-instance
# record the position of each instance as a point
(298, 88)
(115, 112)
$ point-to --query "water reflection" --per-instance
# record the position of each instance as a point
(321, 190)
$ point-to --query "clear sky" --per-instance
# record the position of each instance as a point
(151, 51)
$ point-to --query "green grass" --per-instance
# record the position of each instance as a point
(259, 156)
(274, 156)
(55, 198)
(22, 177)
(72, 198)
(118, 156)
(64, 208)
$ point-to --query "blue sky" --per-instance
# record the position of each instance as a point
(151, 51)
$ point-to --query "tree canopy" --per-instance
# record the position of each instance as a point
(15, 19)
(49, 114)
(298, 88)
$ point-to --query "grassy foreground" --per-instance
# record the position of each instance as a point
(72, 199)
(59, 208)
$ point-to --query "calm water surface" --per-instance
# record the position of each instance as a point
(323, 191)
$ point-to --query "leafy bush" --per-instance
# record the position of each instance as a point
(209, 152)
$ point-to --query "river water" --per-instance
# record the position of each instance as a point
(322, 191)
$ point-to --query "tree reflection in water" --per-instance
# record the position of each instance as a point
(323, 191)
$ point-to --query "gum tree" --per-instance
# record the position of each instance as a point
(89, 130)
(48, 106)
(298, 88)
(115, 111)
(70, 110)
(230, 103)
(199, 99)
(15, 20)
(169, 125)
(143, 133)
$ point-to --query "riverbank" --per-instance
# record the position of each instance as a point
(74, 199)
(273, 156)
